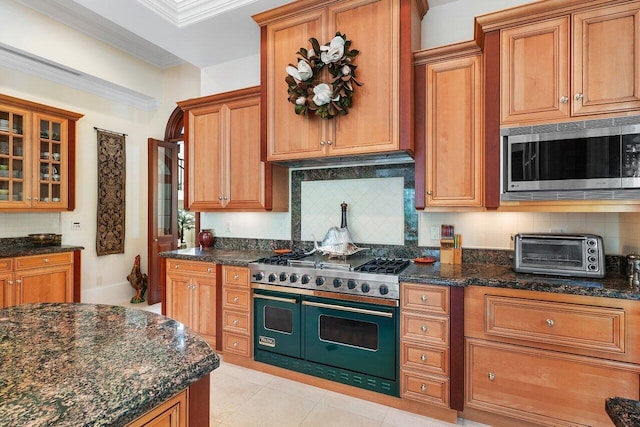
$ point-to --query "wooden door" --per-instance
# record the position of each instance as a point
(606, 60)
(206, 172)
(204, 307)
(45, 285)
(454, 163)
(179, 295)
(534, 80)
(372, 124)
(6, 289)
(50, 163)
(291, 136)
(162, 210)
(245, 181)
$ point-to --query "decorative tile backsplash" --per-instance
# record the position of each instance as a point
(24, 223)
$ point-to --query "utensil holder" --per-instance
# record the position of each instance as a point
(449, 254)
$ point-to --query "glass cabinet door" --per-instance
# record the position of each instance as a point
(13, 151)
(51, 160)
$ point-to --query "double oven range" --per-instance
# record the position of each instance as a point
(333, 319)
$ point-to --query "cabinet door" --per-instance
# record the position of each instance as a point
(44, 285)
(372, 124)
(206, 166)
(204, 306)
(454, 133)
(606, 60)
(291, 136)
(534, 78)
(50, 163)
(245, 183)
(179, 299)
(15, 152)
(6, 289)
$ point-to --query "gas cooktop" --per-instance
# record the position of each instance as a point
(356, 275)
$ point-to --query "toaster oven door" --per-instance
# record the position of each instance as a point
(556, 256)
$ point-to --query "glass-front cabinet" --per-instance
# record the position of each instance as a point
(36, 156)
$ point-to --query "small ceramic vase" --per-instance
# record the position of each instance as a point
(205, 238)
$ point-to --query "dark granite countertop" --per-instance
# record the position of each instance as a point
(238, 257)
(12, 250)
(93, 365)
(623, 412)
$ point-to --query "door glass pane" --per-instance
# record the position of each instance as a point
(278, 319)
(354, 333)
(165, 193)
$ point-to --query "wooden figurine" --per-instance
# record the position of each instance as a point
(138, 281)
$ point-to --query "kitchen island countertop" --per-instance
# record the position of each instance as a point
(69, 364)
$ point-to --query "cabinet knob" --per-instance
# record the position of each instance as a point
(491, 376)
(9, 282)
(578, 97)
(235, 299)
(236, 277)
(235, 322)
(176, 266)
(18, 281)
(564, 100)
(423, 387)
(46, 260)
(219, 197)
(235, 344)
(423, 357)
(155, 240)
(329, 142)
(429, 193)
(424, 328)
(424, 298)
(209, 270)
(225, 198)
(321, 142)
(550, 323)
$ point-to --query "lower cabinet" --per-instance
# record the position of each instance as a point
(37, 279)
(172, 413)
(191, 296)
(237, 323)
(549, 359)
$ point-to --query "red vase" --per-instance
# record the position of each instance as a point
(205, 238)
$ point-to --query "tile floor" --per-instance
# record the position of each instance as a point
(242, 397)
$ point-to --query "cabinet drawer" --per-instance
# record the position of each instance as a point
(238, 344)
(425, 388)
(425, 298)
(38, 261)
(191, 266)
(569, 325)
(238, 322)
(236, 276)
(6, 265)
(235, 298)
(427, 329)
(425, 358)
(562, 389)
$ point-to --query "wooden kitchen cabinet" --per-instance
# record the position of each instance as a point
(6, 280)
(385, 32)
(584, 63)
(237, 319)
(191, 296)
(37, 156)
(449, 127)
(549, 359)
(172, 413)
(224, 170)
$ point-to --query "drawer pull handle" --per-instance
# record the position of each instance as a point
(236, 277)
(209, 270)
(176, 266)
(424, 298)
(235, 299)
(491, 376)
(424, 328)
(550, 323)
(235, 322)
(423, 387)
(46, 260)
(423, 357)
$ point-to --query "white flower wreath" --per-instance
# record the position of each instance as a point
(327, 99)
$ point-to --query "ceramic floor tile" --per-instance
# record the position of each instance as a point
(325, 415)
(398, 418)
(314, 394)
(356, 406)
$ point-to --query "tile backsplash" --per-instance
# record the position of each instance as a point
(24, 223)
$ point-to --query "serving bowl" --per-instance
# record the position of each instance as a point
(45, 239)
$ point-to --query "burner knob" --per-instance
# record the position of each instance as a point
(259, 276)
(351, 284)
(272, 277)
(365, 287)
(283, 277)
(384, 289)
(305, 279)
(337, 283)
(320, 281)
(293, 278)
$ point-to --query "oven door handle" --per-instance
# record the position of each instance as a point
(269, 297)
(349, 309)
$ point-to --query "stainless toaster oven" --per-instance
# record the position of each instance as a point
(580, 255)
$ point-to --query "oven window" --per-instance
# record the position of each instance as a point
(278, 319)
(354, 333)
(557, 253)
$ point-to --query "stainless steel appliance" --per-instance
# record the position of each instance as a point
(580, 255)
(334, 319)
(588, 161)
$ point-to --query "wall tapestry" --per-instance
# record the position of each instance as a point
(111, 193)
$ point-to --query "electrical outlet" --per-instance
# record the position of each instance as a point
(435, 232)
(227, 226)
(75, 225)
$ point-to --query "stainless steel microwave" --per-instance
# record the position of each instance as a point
(585, 159)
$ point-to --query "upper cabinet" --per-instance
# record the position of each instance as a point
(385, 32)
(224, 170)
(37, 156)
(578, 64)
(449, 126)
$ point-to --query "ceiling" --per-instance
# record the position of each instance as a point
(168, 32)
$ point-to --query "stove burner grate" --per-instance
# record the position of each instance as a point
(282, 259)
(383, 266)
